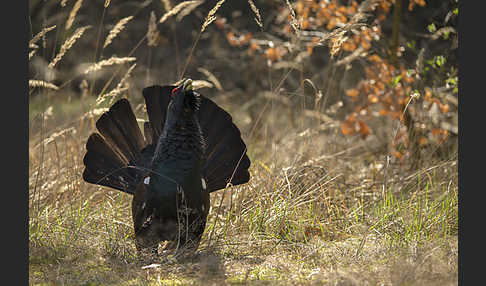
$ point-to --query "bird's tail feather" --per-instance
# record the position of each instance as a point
(118, 145)
(226, 159)
(156, 100)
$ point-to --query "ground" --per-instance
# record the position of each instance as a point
(319, 209)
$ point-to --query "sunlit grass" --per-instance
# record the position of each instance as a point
(282, 226)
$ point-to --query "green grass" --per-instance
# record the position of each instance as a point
(301, 225)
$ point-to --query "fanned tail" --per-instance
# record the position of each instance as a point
(156, 100)
(118, 146)
(226, 159)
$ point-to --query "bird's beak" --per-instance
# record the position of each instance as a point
(187, 85)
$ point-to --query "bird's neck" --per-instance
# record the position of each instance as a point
(181, 140)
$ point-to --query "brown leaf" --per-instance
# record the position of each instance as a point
(397, 154)
(352, 92)
(347, 128)
(422, 141)
(272, 54)
(444, 107)
(364, 130)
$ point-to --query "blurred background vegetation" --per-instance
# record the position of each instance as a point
(365, 58)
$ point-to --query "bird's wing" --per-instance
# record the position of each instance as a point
(113, 153)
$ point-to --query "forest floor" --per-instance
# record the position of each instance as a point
(320, 208)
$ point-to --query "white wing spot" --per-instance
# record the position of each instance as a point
(203, 182)
(146, 181)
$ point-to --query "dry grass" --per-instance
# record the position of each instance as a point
(41, 34)
(187, 10)
(119, 26)
(109, 62)
(153, 35)
(210, 17)
(178, 8)
(255, 10)
(297, 221)
(40, 83)
(68, 44)
(73, 14)
(121, 87)
(211, 77)
(320, 208)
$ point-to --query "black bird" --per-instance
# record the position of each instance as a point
(189, 149)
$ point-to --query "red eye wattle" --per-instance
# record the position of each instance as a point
(174, 91)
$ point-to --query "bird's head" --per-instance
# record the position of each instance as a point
(184, 101)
